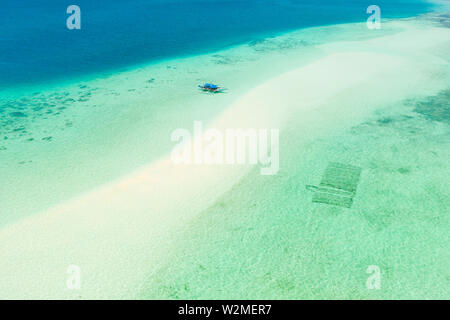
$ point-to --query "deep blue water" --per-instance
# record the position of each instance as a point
(35, 44)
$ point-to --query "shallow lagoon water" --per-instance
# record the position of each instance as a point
(92, 132)
(266, 238)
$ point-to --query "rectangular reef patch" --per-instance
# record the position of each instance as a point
(338, 185)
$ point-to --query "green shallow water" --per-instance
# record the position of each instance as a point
(265, 238)
(92, 131)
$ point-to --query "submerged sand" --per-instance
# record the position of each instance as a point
(167, 231)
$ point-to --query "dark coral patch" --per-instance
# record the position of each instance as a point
(436, 107)
(18, 114)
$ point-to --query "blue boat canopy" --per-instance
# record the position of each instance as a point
(210, 86)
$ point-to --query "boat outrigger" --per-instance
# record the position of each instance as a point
(209, 87)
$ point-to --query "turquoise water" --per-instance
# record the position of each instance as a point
(36, 46)
(93, 115)
(91, 132)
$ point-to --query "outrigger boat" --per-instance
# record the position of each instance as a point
(208, 87)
